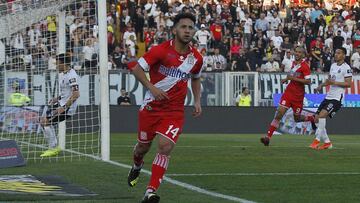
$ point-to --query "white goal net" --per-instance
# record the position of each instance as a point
(32, 34)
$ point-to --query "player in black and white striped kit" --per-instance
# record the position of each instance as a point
(340, 78)
(61, 107)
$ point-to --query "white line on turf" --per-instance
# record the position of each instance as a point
(259, 174)
(170, 180)
(234, 146)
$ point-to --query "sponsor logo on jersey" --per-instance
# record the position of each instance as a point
(174, 72)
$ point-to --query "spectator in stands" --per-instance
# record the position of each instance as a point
(287, 62)
(110, 39)
(124, 98)
(316, 57)
(356, 38)
(17, 43)
(338, 41)
(118, 57)
(129, 32)
(34, 35)
(219, 61)
(51, 26)
(208, 61)
(270, 66)
(161, 35)
(248, 30)
(261, 23)
(90, 55)
(355, 60)
(349, 49)
(202, 37)
(327, 59)
(235, 50)
(240, 62)
(139, 23)
(277, 39)
(244, 99)
(216, 31)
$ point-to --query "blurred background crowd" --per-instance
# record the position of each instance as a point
(247, 35)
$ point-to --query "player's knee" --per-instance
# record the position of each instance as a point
(165, 148)
(142, 148)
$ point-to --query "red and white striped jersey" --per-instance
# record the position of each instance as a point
(170, 72)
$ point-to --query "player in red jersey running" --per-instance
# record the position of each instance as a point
(170, 64)
(293, 96)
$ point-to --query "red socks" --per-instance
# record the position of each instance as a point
(159, 167)
(273, 126)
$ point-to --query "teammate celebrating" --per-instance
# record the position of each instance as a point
(171, 64)
(294, 94)
(340, 77)
(61, 107)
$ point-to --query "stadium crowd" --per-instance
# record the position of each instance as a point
(241, 36)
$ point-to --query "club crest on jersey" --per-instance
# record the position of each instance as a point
(191, 60)
(181, 58)
(147, 107)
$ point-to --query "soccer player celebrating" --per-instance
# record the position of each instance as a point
(340, 77)
(170, 64)
(61, 107)
(293, 96)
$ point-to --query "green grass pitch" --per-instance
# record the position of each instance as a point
(234, 165)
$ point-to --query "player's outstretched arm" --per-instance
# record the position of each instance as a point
(139, 73)
(196, 89)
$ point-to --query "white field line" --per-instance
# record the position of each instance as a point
(259, 174)
(170, 180)
(234, 146)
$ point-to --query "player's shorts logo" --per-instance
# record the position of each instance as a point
(143, 135)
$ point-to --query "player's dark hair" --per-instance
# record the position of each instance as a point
(180, 16)
(342, 49)
(64, 58)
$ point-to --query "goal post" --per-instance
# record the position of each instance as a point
(104, 83)
(32, 33)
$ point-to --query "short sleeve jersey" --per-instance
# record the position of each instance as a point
(338, 73)
(296, 89)
(68, 81)
(170, 72)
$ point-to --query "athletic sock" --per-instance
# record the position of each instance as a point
(158, 170)
(273, 126)
(323, 133)
(51, 136)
